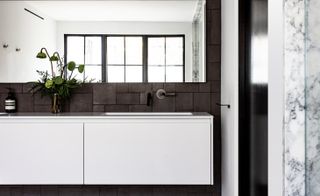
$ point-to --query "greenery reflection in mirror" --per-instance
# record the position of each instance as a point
(54, 84)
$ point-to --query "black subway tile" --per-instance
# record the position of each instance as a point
(128, 98)
(104, 94)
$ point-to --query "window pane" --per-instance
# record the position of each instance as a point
(75, 49)
(115, 50)
(156, 51)
(134, 74)
(174, 47)
(93, 50)
(76, 75)
(174, 74)
(115, 73)
(134, 50)
(93, 72)
(156, 74)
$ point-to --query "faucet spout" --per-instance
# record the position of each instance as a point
(149, 99)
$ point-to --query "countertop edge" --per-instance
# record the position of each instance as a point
(97, 115)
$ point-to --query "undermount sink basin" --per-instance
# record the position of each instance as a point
(148, 113)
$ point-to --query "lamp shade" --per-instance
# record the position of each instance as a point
(41, 55)
(54, 58)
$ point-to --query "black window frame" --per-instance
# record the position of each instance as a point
(184, 55)
(104, 66)
(84, 51)
(125, 63)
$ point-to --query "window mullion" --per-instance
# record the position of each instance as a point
(104, 58)
(65, 54)
(145, 59)
(124, 59)
(184, 60)
(84, 56)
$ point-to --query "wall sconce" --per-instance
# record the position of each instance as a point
(5, 45)
(18, 49)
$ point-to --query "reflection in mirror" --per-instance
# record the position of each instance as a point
(118, 41)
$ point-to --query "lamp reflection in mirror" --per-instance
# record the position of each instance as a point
(42, 55)
(54, 58)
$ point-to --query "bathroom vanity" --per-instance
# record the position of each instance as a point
(106, 148)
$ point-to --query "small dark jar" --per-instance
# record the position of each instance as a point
(10, 103)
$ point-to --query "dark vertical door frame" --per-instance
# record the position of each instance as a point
(244, 54)
(253, 103)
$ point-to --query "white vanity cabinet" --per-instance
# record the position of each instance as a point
(106, 149)
(148, 151)
(41, 153)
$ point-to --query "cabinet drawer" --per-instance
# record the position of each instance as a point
(41, 153)
(148, 152)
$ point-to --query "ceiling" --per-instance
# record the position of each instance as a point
(120, 10)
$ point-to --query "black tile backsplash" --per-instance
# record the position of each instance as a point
(128, 98)
(104, 94)
(184, 102)
(132, 98)
(121, 97)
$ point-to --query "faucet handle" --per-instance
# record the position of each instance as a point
(161, 94)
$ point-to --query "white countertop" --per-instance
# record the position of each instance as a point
(89, 115)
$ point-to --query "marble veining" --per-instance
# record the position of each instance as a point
(294, 119)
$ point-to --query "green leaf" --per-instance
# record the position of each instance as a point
(71, 65)
(81, 68)
(49, 84)
(58, 80)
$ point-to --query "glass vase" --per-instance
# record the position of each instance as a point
(56, 104)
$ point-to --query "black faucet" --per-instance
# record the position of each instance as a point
(149, 99)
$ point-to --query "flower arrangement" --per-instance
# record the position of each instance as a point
(57, 86)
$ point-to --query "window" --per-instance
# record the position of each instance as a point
(86, 50)
(128, 58)
(124, 59)
(165, 59)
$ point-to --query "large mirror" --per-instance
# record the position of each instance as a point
(117, 41)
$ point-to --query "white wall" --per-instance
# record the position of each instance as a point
(130, 28)
(229, 94)
(275, 97)
(23, 30)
